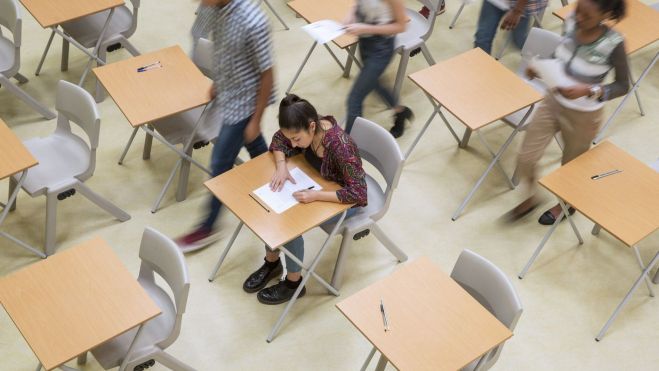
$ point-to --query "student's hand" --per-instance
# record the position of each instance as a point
(511, 20)
(574, 92)
(357, 29)
(306, 196)
(280, 177)
(252, 130)
(531, 73)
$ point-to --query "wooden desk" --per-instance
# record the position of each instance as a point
(74, 301)
(434, 323)
(233, 188)
(51, 13)
(478, 91)
(146, 97)
(624, 204)
(317, 10)
(14, 159)
(640, 28)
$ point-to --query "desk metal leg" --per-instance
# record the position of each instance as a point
(489, 149)
(368, 359)
(633, 89)
(5, 211)
(96, 48)
(127, 359)
(267, 3)
(351, 57)
(299, 70)
(225, 252)
(596, 230)
(640, 263)
(569, 219)
(43, 58)
(130, 142)
(437, 110)
(624, 301)
(455, 18)
(183, 155)
(310, 273)
(382, 363)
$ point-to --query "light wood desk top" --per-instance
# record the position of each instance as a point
(318, 10)
(14, 157)
(151, 95)
(476, 88)
(625, 204)
(434, 324)
(234, 186)
(74, 301)
(55, 12)
(640, 27)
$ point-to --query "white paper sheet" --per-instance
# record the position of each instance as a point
(284, 200)
(324, 31)
(552, 73)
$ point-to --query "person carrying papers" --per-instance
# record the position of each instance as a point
(332, 152)
(574, 104)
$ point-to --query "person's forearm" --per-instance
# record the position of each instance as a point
(327, 196)
(280, 158)
(385, 29)
(263, 95)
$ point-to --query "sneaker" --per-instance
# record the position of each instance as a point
(257, 280)
(198, 239)
(278, 293)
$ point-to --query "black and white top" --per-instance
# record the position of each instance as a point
(242, 52)
(591, 63)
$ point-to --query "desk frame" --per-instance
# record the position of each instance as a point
(350, 49)
(5, 210)
(645, 269)
(311, 270)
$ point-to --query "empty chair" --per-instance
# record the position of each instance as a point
(379, 148)
(494, 291)
(86, 31)
(160, 255)
(10, 55)
(418, 30)
(66, 161)
(182, 128)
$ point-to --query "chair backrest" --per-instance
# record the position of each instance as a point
(161, 255)
(433, 6)
(202, 56)
(133, 27)
(490, 287)
(540, 43)
(380, 149)
(10, 18)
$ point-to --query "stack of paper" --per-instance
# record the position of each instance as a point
(325, 31)
(552, 73)
(284, 200)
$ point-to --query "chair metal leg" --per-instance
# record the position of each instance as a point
(368, 359)
(45, 52)
(20, 78)
(541, 245)
(131, 347)
(11, 201)
(171, 362)
(183, 176)
(65, 55)
(339, 266)
(130, 141)
(25, 97)
(455, 18)
(225, 252)
(624, 301)
(596, 230)
(509, 39)
(655, 279)
(388, 243)
(402, 69)
(99, 91)
(426, 54)
(299, 70)
(51, 223)
(101, 202)
(640, 263)
(148, 142)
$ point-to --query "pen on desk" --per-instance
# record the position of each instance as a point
(384, 316)
(258, 202)
(148, 66)
(600, 176)
(312, 187)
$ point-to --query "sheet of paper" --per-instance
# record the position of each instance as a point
(284, 200)
(552, 74)
(324, 31)
(501, 4)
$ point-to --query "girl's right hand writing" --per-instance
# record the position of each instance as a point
(280, 177)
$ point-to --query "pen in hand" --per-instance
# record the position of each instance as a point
(384, 316)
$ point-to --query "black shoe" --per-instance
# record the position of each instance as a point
(547, 218)
(399, 122)
(257, 280)
(278, 293)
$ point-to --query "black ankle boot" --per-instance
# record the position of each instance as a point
(280, 292)
(399, 122)
(257, 280)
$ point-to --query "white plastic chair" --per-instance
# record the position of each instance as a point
(184, 128)
(10, 56)
(493, 290)
(86, 31)
(160, 255)
(66, 161)
(418, 30)
(381, 150)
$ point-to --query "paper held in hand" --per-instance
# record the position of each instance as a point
(284, 200)
(552, 73)
(324, 31)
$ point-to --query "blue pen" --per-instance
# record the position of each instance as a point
(149, 66)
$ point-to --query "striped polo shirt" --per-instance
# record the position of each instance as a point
(243, 51)
(533, 7)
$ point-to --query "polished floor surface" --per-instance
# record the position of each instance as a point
(567, 296)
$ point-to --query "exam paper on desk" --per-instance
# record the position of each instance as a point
(284, 200)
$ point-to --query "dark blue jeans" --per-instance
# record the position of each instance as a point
(225, 151)
(376, 53)
(488, 23)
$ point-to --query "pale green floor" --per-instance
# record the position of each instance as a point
(567, 296)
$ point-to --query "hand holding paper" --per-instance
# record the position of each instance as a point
(324, 31)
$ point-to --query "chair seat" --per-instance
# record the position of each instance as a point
(514, 119)
(177, 128)
(416, 28)
(61, 159)
(362, 218)
(86, 30)
(7, 55)
(111, 353)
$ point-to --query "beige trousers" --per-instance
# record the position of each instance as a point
(578, 129)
